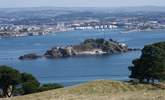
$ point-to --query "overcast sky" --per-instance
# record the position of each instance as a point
(79, 3)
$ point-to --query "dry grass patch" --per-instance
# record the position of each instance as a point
(100, 90)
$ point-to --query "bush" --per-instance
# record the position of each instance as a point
(29, 78)
(29, 83)
(100, 41)
(46, 87)
(30, 87)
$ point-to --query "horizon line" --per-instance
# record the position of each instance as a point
(82, 7)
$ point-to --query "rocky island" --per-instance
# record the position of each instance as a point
(88, 47)
(30, 56)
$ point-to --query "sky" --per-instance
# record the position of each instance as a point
(79, 3)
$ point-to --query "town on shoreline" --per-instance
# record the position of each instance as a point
(26, 23)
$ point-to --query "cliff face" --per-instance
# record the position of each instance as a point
(60, 52)
(88, 47)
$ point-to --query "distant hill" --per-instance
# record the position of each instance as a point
(53, 15)
(141, 9)
(100, 90)
(95, 9)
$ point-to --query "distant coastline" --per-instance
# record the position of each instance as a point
(151, 30)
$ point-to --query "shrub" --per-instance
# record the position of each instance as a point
(46, 87)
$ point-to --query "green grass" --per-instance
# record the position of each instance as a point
(100, 90)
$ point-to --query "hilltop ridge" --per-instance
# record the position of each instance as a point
(100, 90)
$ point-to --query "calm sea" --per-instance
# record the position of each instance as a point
(74, 70)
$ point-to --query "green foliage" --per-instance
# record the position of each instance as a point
(151, 64)
(9, 78)
(105, 45)
(88, 41)
(29, 78)
(30, 87)
(100, 41)
(29, 83)
(46, 87)
(21, 83)
(97, 41)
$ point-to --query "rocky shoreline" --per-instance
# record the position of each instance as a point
(88, 47)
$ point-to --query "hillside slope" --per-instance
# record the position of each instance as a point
(100, 90)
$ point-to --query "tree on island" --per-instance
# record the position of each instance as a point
(151, 65)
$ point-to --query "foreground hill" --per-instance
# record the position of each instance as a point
(100, 90)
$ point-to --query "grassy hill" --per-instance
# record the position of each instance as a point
(100, 90)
